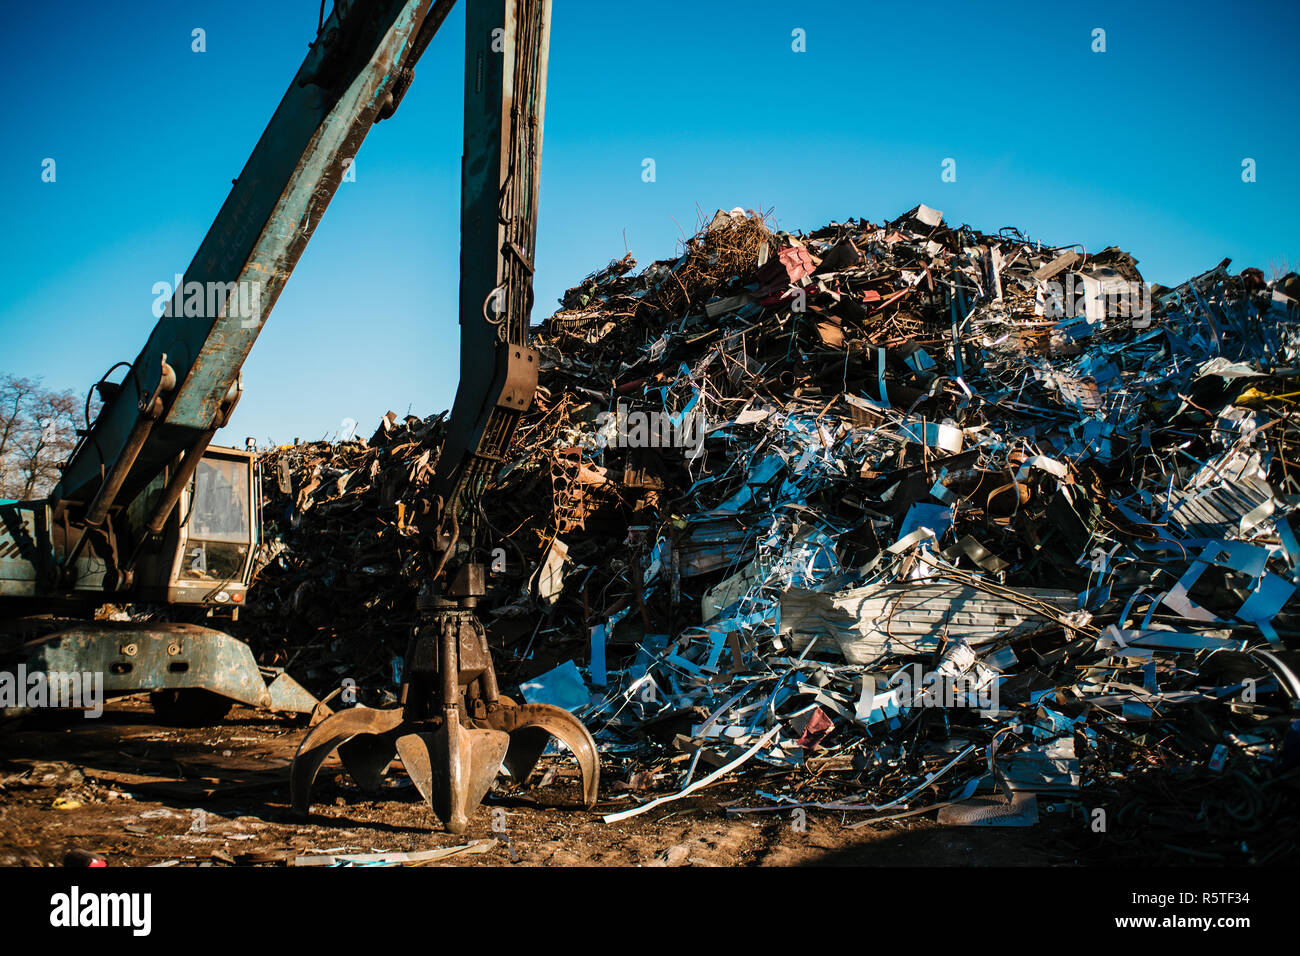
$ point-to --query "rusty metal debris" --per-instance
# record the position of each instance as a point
(897, 516)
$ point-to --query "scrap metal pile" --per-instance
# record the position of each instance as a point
(338, 568)
(899, 516)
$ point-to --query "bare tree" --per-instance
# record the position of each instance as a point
(15, 397)
(37, 433)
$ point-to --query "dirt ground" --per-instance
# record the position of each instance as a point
(141, 793)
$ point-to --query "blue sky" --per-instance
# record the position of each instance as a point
(1140, 146)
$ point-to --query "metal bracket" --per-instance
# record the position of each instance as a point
(517, 370)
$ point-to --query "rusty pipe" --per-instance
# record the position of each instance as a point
(449, 661)
(452, 541)
(179, 479)
(151, 409)
(488, 679)
(193, 455)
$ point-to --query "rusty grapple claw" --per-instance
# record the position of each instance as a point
(453, 762)
(364, 738)
(529, 726)
(453, 733)
(453, 767)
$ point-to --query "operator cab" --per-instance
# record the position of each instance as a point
(211, 538)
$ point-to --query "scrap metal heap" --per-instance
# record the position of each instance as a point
(911, 516)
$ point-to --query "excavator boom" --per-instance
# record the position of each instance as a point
(185, 380)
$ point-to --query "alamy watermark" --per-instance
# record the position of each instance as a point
(40, 689)
(945, 687)
(209, 300)
(75, 909)
(649, 429)
(1093, 299)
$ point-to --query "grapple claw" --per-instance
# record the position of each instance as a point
(417, 753)
(453, 767)
(529, 727)
(331, 734)
(367, 757)
(453, 731)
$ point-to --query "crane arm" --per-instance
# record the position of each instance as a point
(505, 101)
(185, 382)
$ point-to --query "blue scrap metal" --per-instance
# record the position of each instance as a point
(1017, 524)
(1121, 480)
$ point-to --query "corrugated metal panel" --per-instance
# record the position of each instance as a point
(1216, 512)
(871, 622)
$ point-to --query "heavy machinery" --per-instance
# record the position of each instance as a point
(125, 503)
(201, 557)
